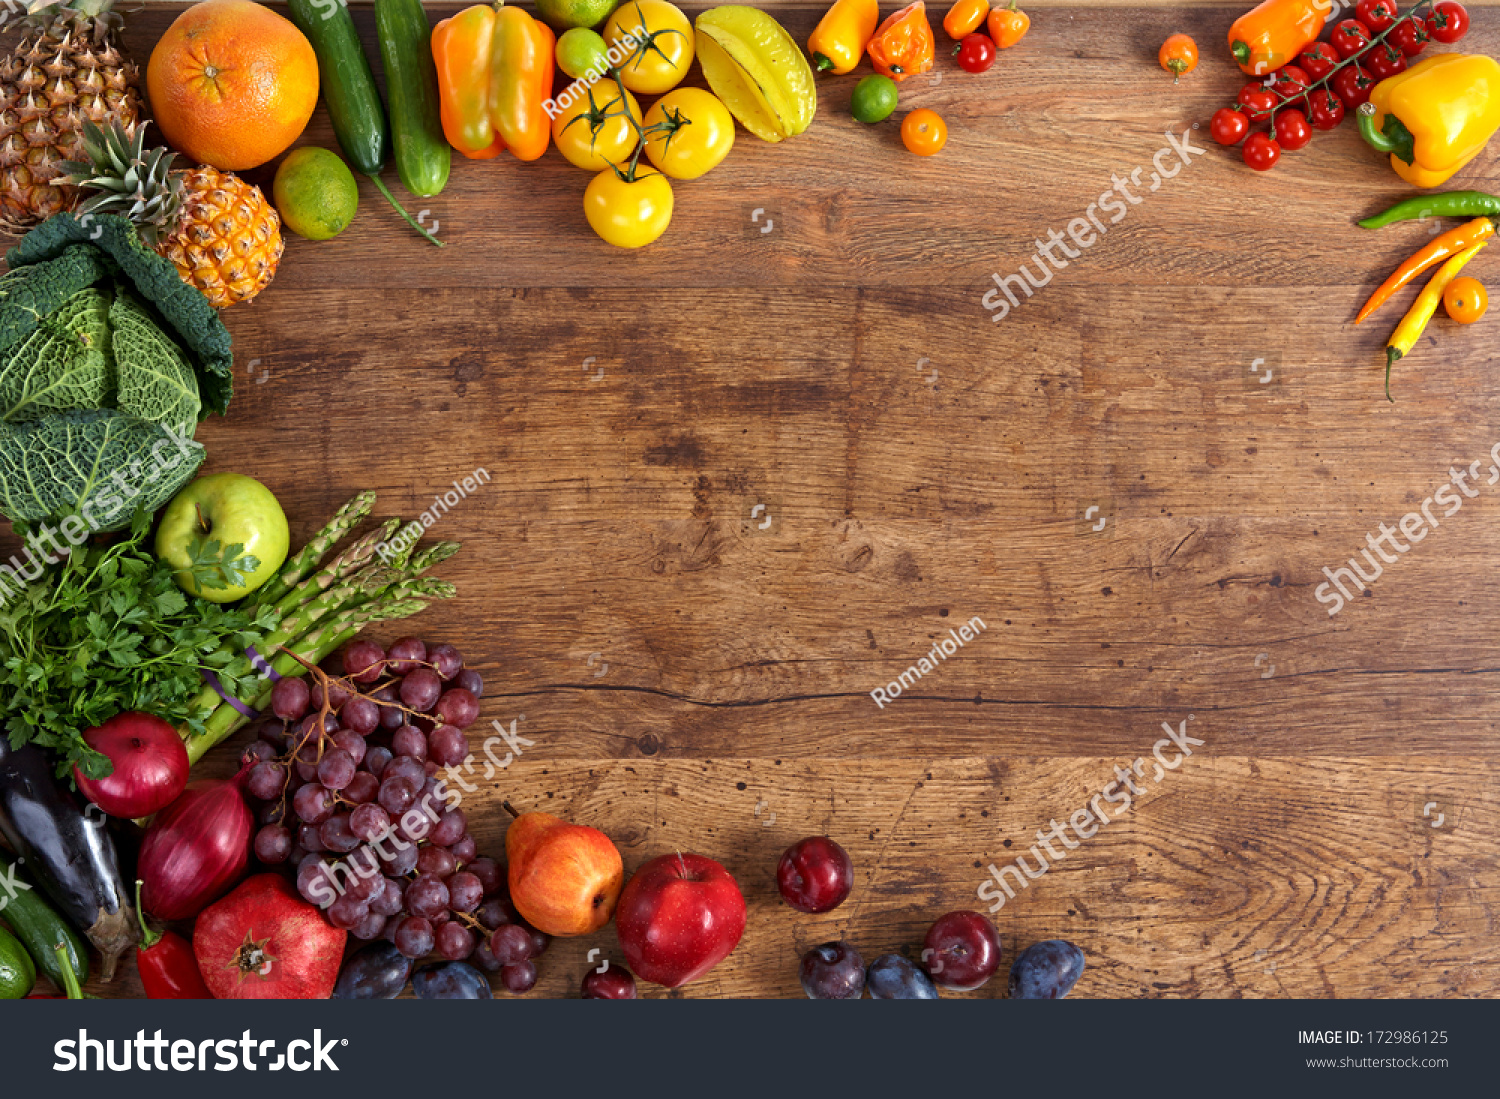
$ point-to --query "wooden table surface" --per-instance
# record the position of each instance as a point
(692, 678)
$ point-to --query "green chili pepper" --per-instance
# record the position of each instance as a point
(1458, 204)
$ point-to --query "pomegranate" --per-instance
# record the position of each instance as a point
(263, 942)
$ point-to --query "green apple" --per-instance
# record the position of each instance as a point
(203, 524)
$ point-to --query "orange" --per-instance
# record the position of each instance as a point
(232, 84)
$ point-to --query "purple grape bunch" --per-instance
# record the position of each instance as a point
(347, 779)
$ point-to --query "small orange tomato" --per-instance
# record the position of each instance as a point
(1465, 300)
(924, 132)
(1007, 26)
(1178, 55)
(964, 18)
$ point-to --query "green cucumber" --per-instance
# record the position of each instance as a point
(423, 157)
(39, 927)
(17, 972)
(346, 81)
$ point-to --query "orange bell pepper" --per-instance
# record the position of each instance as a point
(1272, 35)
(494, 67)
(903, 45)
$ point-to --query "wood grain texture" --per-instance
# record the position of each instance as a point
(923, 465)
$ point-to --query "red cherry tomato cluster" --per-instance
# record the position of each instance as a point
(1333, 78)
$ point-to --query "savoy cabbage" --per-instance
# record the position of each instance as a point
(107, 362)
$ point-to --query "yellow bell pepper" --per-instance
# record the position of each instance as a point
(840, 38)
(1435, 117)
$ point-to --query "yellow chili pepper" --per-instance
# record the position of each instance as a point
(1435, 117)
(461, 50)
(840, 38)
(1410, 329)
(903, 44)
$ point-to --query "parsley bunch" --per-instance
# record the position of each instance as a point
(105, 631)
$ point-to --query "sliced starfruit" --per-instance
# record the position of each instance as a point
(758, 70)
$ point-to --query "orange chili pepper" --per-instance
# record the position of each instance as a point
(520, 79)
(1007, 26)
(1450, 243)
(964, 18)
(461, 50)
(903, 44)
(1272, 35)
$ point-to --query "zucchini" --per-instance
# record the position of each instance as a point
(71, 857)
(346, 81)
(39, 927)
(423, 157)
(17, 971)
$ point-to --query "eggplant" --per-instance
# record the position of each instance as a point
(68, 854)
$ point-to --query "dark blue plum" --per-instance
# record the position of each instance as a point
(1046, 971)
(833, 971)
(451, 981)
(893, 977)
(375, 972)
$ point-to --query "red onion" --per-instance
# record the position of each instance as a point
(196, 848)
(150, 766)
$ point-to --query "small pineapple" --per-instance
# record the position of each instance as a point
(219, 231)
(66, 71)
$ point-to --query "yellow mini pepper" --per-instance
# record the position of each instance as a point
(1435, 117)
(839, 40)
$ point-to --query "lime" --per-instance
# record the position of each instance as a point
(580, 51)
(874, 99)
(563, 14)
(315, 193)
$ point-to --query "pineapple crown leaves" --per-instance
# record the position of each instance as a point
(94, 16)
(128, 179)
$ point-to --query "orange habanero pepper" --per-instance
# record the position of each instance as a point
(520, 81)
(461, 48)
(903, 44)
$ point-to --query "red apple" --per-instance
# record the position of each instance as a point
(564, 878)
(679, 916)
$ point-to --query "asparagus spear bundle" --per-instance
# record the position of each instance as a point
(313, 647)
(310, 609)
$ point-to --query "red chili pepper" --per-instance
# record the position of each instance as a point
(168, 969)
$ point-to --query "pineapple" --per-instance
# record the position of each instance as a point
(66, 71)
(219, 231)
